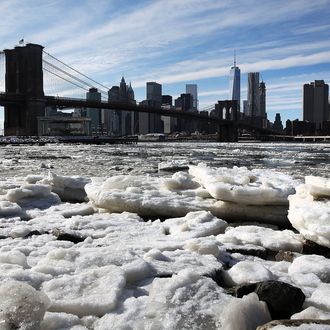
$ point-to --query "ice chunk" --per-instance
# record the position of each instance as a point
(268, 238)
(13, 257)
(320, 297)
(130, 316)
(28, 191)
(248, 272)
(9, 209)
(17, 273)
(310, 215)
(57, 262)
(90, 292)
(20, 231)
(137, 270)
(256, 187)
(203, 246)
(21, 306)
(186, 300)
(171, 262)
(312, 313)
(311, 264)
(150, 197)
(318, 186)
(173, 165)
(246, 313)
(54, 321)
(195, 224)
(33, 196)
(69, 188)
(180, 180)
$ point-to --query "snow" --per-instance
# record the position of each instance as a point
(129, 272)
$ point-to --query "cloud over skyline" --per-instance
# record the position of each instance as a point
(175, 42)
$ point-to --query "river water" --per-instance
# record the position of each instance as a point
(297, 160)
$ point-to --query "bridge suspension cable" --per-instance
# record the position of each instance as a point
(65, 72)
(207, 108)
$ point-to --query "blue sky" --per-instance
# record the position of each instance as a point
(175, 42)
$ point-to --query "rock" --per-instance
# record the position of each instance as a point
(311, 247)
(32, 232)
(285, 256)
(292, 323)
(282, 299)
(256, 252)
(71, 237)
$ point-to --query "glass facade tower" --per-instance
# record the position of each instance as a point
(235, 83)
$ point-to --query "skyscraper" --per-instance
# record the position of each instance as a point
(316, 103)
(95, 114)
(154, 93)
(192, 90)
(253, 94)
(151, 123)
(262, 96)
(235, 83)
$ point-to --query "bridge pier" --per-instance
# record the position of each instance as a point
(24, 76)
(228, 133)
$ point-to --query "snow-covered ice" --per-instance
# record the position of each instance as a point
(81, 246)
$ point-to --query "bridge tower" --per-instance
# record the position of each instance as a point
(227, 109)
(24, 76)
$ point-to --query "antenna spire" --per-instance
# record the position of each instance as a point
(234, 57)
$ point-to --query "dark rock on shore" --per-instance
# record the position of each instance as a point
(282, 299)
(310, 247)
(63, 236)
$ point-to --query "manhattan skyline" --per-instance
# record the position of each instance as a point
(184, 42)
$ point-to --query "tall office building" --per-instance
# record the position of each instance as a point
(245, 108)
(262, 96)
(192, 90)
(316, 103)
(235, 83)
(94, 114)
(120, 122)
(154, 93)
(154, 99)
(253, 95)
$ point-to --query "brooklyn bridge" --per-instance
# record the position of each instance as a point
(26, 69)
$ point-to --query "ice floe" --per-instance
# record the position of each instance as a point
(309, 210)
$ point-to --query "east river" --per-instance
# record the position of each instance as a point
(297, 160)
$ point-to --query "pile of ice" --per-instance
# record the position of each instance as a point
(130, 273)
(68, 266)
(232, 194)
(309, 210)
(68, 188)
(240, 185)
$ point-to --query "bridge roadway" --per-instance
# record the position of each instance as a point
(63, 102)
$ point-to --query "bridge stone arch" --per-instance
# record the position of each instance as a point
(24, 77)
(228, 110)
